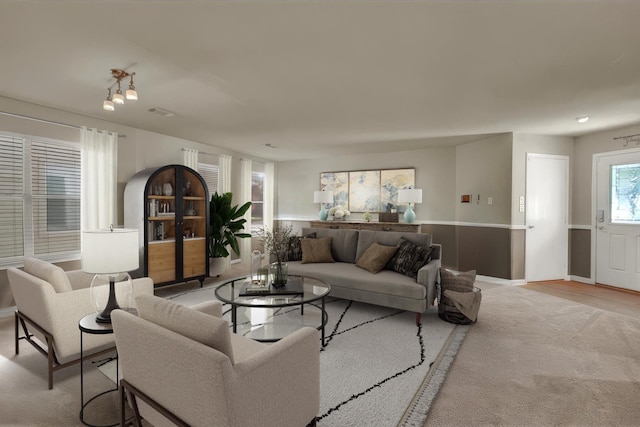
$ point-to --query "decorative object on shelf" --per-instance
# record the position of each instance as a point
(323, 197)
(276, 242)
(117, 98)
(167, 189)
(225, 227)
(367, 216)
(110, 254)
(409, 196)
(339, 212)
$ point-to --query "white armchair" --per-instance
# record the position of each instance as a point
(50, 302)
(183, 366)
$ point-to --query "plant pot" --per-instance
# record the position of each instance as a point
(218, 265)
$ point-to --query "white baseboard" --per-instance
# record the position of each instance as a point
(6, 312)
(500, 281)
(580, 279)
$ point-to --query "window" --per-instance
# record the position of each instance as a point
(257, 202)
(625, 193)
(210, 175)
(40, 199)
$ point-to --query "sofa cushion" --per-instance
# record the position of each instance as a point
(343, 244)
(389, 238)
(316, 250)
(294, 247)
(409, 258)
(206, 329)
(48, 272)
(376, 257)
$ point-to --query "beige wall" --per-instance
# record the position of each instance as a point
(435, 175)
(483, 168)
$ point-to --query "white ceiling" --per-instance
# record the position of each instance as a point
(320, 78)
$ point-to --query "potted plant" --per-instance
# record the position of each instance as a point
(276, 243)
(225, 228)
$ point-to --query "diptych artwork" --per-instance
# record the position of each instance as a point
(370, 190)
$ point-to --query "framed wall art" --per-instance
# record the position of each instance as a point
(368, 190)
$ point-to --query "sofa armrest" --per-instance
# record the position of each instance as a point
(429, 275)
(298, 356)
(212, 308)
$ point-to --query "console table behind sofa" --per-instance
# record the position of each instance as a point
(371, 226)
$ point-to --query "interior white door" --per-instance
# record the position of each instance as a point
(547, 238)
(618, 219)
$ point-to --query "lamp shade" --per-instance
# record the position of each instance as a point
(110, 251)
(323, 197)
(412, 195)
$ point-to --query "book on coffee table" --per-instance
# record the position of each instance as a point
(293, 287)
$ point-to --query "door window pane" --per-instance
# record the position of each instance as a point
(625, 193)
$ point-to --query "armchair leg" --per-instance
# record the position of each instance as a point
(418, 318)
(17, 330)
(313, 422)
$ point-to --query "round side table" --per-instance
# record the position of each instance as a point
(88, 325)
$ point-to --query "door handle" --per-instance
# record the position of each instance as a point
(530, 227)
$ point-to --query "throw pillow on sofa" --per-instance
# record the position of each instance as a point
(376, 257)
(294, 248)
(316, 250)
(410, 258)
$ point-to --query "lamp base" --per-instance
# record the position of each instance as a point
(107, 290)
(323, 214)
(409, 215)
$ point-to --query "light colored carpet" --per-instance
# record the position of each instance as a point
(374, 363)
(538, 360)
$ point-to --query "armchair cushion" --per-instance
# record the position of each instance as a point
(48, 272)
(209, 330)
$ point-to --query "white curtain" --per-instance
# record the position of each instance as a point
(245, 196)
(224, 174)
(190, 158)
(98, 183)
(269, 196)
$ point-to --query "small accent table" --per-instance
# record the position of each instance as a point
(88, 325)
(262, 312)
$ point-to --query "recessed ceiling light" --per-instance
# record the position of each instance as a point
(582, 119)
(270, 145)
(161, 112)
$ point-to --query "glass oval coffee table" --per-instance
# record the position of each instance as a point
(270, 316)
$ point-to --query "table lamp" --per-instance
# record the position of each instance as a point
(110, 254)
(408, 196)
(323, 197)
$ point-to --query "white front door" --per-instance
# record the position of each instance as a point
(547, 235)
(618, 219)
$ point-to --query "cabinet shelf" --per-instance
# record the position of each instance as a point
(158, 197)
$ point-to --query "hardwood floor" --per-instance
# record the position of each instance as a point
(617, 300)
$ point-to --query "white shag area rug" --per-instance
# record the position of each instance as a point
(377, 368)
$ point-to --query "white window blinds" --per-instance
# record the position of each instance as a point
(210, 175)
(55, 178)
(39, 199)
(11, 197)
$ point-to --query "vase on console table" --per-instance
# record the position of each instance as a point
(279, 273)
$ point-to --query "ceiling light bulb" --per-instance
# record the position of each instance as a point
(583, 119)
(131, 92)
(108, 103)
(118, 98)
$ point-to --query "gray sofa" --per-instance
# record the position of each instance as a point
(387, 288)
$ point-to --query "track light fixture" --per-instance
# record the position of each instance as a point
(118, 98)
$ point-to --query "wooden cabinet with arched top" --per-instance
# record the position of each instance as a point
(170, 208)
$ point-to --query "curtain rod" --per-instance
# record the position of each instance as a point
(220, 155)
(35, 119)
